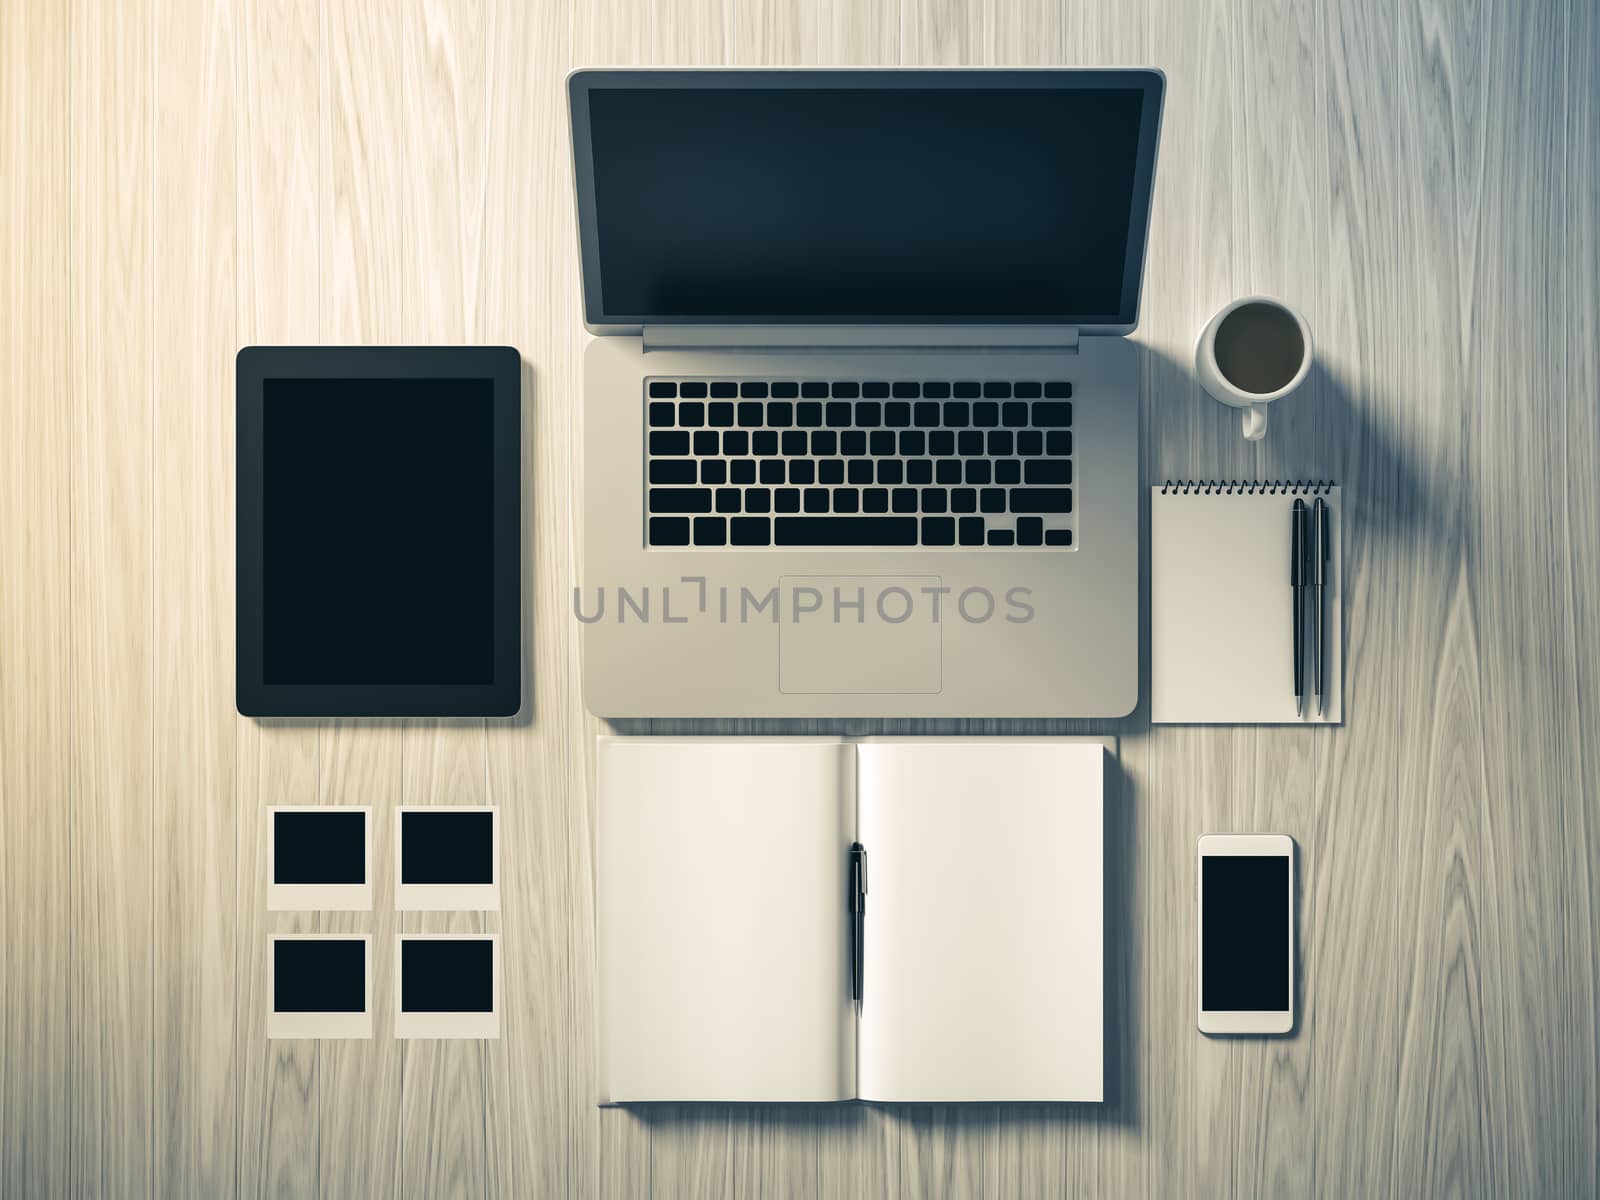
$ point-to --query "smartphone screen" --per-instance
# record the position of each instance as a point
(1246, 943)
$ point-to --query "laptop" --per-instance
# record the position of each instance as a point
(860, 419)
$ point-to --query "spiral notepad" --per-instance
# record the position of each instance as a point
(1221, 623)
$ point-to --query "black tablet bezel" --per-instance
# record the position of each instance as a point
(502, 366)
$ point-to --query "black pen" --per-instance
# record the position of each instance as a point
(1297, 590)
(1320, 548)
(858, 910)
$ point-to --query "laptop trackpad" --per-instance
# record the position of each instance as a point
(860, 634)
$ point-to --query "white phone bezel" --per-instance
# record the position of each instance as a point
(1241, 845)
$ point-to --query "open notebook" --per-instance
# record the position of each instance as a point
(726, 940)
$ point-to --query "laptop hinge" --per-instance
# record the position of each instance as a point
(1054, 338)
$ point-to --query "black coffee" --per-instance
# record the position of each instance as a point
(1259, 348)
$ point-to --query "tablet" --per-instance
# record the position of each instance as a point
(379, 531)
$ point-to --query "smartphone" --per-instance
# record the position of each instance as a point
(1246, 933)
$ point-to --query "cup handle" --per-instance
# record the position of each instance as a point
(1254, 419)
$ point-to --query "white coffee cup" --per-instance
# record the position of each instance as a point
(1255, 351)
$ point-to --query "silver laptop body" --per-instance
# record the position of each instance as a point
(860, 420)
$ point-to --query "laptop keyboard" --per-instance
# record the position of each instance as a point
(871, 463)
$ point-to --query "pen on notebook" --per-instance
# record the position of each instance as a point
(858, 913)
(1319, 561)
(1297, 588)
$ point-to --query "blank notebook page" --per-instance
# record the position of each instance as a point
(985, 921)
(724, 970)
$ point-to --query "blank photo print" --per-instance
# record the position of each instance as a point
(448, 858)
(319, 857)
(321, 986)
(448, 986)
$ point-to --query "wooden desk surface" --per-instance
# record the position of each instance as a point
(179, 178)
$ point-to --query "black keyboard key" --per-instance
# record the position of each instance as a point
(786, 390)
(875, 391)
(875, 500)
(897, 414)
(713, 470)
(992, 500)
(752, 389)
(978, 470)
(1041, 500)
(764, 441)
(904, 500)
(735, 442)
(882, 442)
(807, 414)
(662, 412)
(795, 443)
(772, 471)
(706, 442)
(925, 414)
(934, 500)
(802, 470)
(816, 500)
(948, 470)
(852, 442)
(780, 414)
(1059, 441)
(938, 531)
(996, 389)
(1026, 391)
(1030, 441)
(728, 500)
(966, 389)
(662, 388)
(1047, 415)
(824, 442)
(891, 470)
(814, 389)
(786, 500)
(1013, 414)
(905, 389)
(845, 531)
(742, 471)
(680, 500)
(869, 413)
(963, 500)
(672, 470)
(710, 531)
(757, 500)
(941, 441)
(669, 442)
(751, 531)
(846, 390)
(957, 413)
(919, 470)
(986, 415)
(1048, 470)
(1000, 443)
(691, 413)
(859, 470)
(1008, 471)
(692, 391)
(846, 500)
(1058, 390)
(838, 414)
(1002, 537)
(969, 442)
(971, 531)
(752, 413)
(669, 531)
(1058, 537)
(913, 442)
(830, 471)
(724, 390)
(1030, 531)
(936, 391)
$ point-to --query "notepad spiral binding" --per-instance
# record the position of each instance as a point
(1247, 487)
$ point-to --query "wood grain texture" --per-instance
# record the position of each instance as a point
(180, 177)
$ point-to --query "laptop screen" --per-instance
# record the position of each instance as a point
(903, 197)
